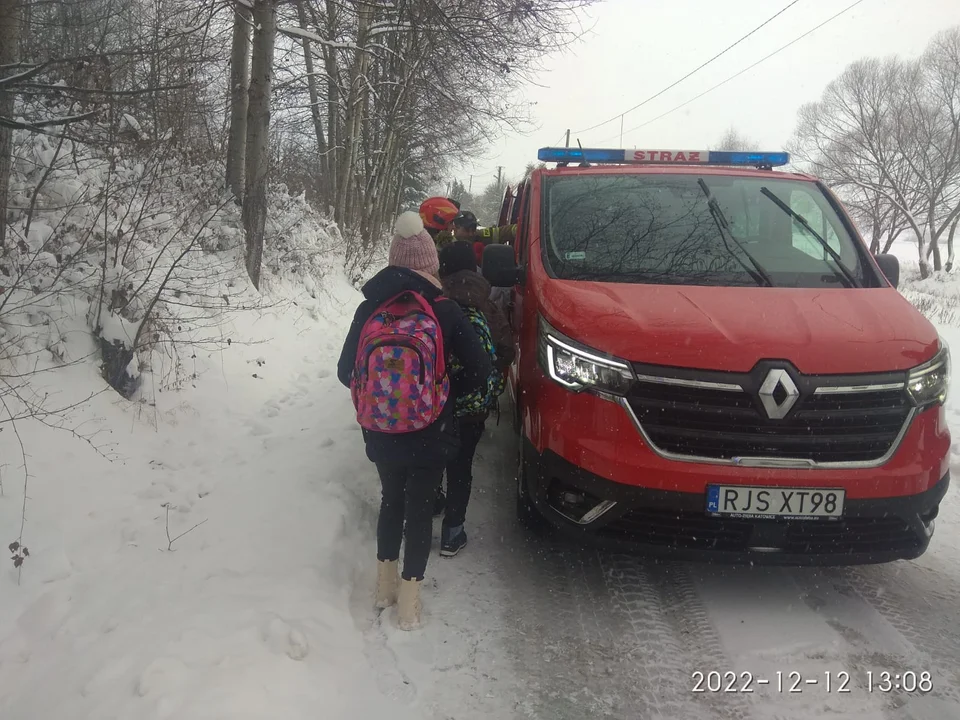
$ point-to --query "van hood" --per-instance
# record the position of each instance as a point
(820, 331)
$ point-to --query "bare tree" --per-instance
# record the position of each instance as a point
(9, 44)
(258, 134)
(853, 139)
(368, 107)
(389, 77)
(871, 209)
(933, 117)
(733, 140)
(313, 91)
(887, 135)
(490, 200)
(239, 89)
(460, 193)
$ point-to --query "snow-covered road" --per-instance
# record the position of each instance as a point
(523, 626)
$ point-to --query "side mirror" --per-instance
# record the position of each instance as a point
(890, 266)
(500, 267)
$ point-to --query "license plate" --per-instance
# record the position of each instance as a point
(774, 502)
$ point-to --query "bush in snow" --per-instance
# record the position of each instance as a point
(147, 248)
(132, 258)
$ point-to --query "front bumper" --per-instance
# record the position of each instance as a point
(674, 524)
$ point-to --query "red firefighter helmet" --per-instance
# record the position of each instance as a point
(437, 213)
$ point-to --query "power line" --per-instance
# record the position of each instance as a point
(485, 171)
(746, 69)
(692, 72)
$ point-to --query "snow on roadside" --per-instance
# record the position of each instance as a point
(938, 298)
(202, 561)
(248, 614)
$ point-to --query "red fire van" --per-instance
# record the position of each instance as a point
(711, 363)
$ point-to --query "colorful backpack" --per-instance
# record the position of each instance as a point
(485, 398)
(400, 381)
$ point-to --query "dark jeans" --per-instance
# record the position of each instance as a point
(460, 474)
(407, 497)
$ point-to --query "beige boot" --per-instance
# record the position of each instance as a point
(408, 605)
(388, 582)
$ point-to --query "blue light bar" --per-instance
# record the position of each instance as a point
(768, 159)
(578, 155)
(662, 157)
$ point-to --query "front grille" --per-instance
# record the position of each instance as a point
(725, 424)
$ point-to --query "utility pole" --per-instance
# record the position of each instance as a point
(621, 131)
(499, 176)
(568, 138)
(470, 187)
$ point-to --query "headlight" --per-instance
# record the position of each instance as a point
(579, 368)
(928, 383)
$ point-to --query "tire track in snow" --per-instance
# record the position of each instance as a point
(684, 609)
(552, 639)
(663, 608)
(765, 621)
(575, 658)
(577, 648)
(796, 620)
(871, 643)
(920, 606)
(593, 635)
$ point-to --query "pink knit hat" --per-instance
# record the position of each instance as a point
(412, 247)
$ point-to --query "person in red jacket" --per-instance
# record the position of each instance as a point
(437, 213)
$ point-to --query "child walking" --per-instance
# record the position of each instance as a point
(462, 283)
(394, 360)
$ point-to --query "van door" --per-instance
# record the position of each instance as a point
(522, 250)
(522, 218)
(515, 204)
(506, 206)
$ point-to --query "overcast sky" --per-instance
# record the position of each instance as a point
(637, 47)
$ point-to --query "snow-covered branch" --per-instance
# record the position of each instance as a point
(40, 124)
(302, 34)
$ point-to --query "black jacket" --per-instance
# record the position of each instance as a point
(469, 288)
(434, 445)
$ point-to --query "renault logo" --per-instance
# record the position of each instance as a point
(778, 384)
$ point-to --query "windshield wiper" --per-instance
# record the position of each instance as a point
(802, 221)
(760, 276)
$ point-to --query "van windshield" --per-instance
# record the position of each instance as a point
(662, 230)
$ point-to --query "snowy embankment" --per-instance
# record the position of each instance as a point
(938, 298)
(189, 552)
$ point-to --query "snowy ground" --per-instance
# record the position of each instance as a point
(262, 610)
